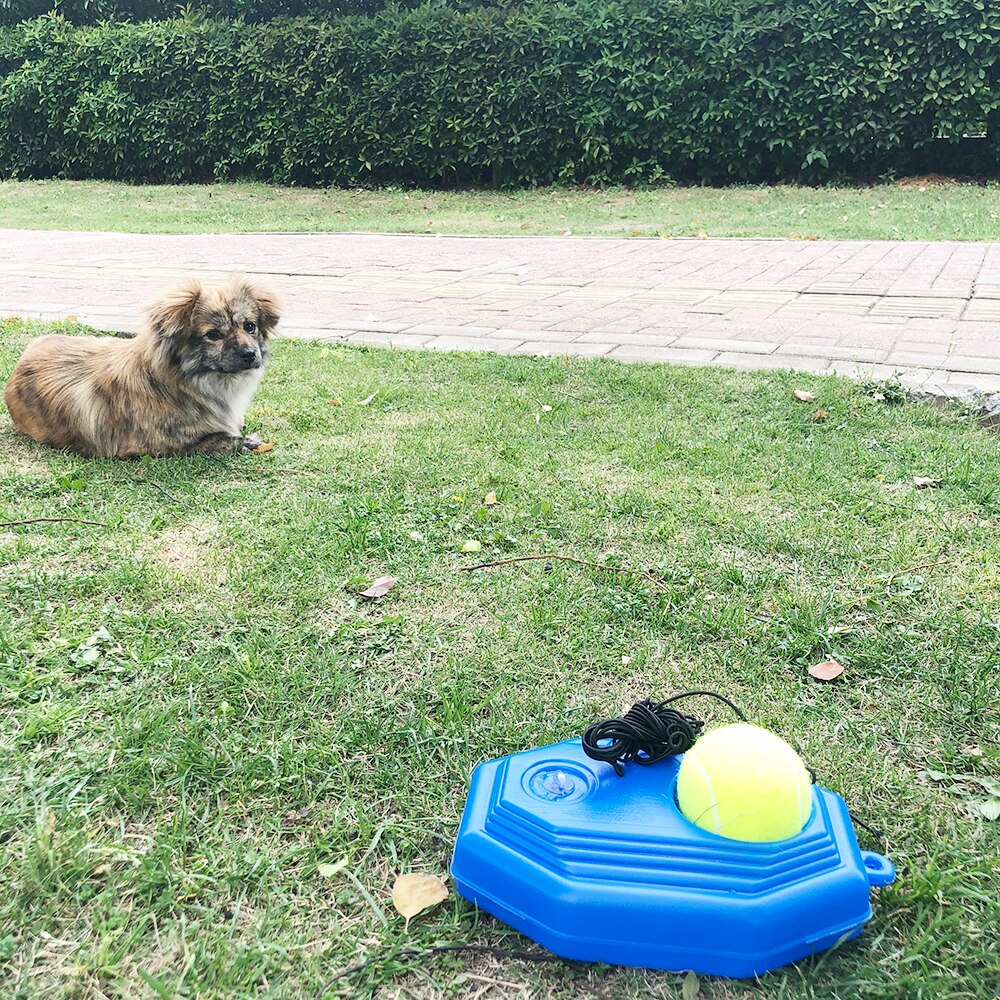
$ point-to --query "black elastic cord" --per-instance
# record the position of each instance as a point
(648, 732)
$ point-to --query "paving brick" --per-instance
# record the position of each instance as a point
(986, 310)
(636, 352)
(833, 353)
(984, 383)
(549, 349)
(726, 344)
(921, 359)
(913, 306)
(850, 305)
(373, 339)
(367, 325)
(313, 333)
(492, 345)
(737, 359)
(555, 336)
(437, 330)
(965, 363)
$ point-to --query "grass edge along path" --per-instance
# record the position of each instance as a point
(917, 209)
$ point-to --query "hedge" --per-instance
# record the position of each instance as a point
(93, 11)
(591, 91)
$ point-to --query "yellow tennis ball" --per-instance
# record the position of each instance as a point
(745, 783)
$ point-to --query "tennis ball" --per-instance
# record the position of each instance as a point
(745, 783)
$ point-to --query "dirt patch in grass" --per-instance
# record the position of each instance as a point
(190, 549)
(20, 455)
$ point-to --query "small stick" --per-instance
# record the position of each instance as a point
(580, 562)
(157, 486)
(51, 520)
(913, 569)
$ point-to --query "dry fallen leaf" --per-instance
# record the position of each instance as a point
(828, 670)
(412, 894)
(261, 448)
(472, 546)
(525, 225)
(379, 587)
(820, 415)
(335, 402)
(490, 498)
(922, 482)
(365, 402)
(804, 396)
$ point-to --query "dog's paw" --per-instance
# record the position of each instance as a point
(251, 443)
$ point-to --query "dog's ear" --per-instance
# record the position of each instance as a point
(268, 307)
(171, 314)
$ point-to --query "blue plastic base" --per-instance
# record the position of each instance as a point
(606, 869)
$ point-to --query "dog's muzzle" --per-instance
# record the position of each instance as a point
(249, 357)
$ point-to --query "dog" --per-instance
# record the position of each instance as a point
(181, 386)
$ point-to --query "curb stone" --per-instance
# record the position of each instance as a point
(983, 406)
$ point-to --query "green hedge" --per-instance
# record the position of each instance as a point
(591, 91)
(93, 11)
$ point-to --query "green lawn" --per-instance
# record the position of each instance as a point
(197, 712)
(913, 210)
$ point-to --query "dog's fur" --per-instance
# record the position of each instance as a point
(182, 385)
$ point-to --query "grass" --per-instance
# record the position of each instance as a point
(198, 712)
(927, 209)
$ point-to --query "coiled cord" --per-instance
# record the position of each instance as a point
(648, 732)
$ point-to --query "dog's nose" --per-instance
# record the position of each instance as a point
(249, 356)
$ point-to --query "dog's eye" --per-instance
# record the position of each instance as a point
(213, 334)
(250, 327)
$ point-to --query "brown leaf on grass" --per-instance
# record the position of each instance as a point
(525, 225)
(828, 670)
(820, 415)
(490, 498)
(803, 396)
(379, 587)
(412, 894)
(335, 402)
(922, 482)
(265, 447)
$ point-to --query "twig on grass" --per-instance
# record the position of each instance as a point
(913, 569)
(580, 562)
(51, 520)
(156, 486)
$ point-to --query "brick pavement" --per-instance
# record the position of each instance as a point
(929, 312)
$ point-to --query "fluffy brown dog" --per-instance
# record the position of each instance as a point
(181, 386)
